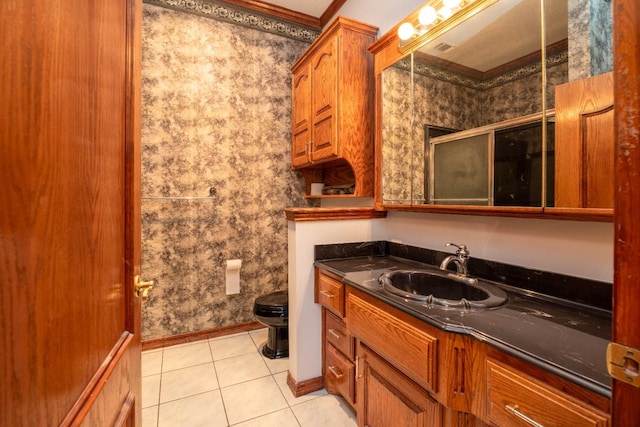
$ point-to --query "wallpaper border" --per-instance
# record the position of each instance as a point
(219, 11)
(461, 80)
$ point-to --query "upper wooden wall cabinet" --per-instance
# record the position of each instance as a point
(585, 143)
(333, 108)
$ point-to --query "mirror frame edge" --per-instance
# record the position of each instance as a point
(386, 52)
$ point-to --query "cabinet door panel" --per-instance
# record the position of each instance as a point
(300, 116)
(387, 398)
(584, 148)
(412, 350)
(324, 102)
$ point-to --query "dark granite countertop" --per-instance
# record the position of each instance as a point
(565, 336)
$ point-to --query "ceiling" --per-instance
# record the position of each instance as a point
(312, 13)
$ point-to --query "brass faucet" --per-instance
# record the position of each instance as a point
(459, 259)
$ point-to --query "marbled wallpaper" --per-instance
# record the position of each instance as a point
(396, 134)
(449, 100)
(216, 117)
(590, 38)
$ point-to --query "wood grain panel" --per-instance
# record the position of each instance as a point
(410, 349)
(626, 292)
(598, 148)
(330, 294)
(509, 388)
(69, 137)
(387, 398)
(340, 375)
(584, 133)
(325, 214)
(338, 335)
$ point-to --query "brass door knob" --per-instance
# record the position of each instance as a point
(142, 288)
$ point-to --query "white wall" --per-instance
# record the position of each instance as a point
(575, 248)
(384, 14)
(305, 326)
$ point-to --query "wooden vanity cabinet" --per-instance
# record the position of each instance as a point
(333, 108)
(408, 373)
(397, 370)
(338, 347)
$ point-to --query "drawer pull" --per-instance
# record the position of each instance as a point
(333, 370)
(335, 334)
(514, 410)
(327, 294)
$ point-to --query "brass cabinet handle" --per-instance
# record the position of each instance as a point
(142, 287)
(515, 411)
(333, 370)
(334, 333)
(310, 151)
(327, 294)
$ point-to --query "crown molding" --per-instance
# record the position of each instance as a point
(235, 14)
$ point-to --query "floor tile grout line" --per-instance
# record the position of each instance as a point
(210, 342)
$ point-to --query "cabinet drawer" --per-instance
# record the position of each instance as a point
(338, 336)
(516, 399)
(411, 350)
(331, 294)
(340, 374)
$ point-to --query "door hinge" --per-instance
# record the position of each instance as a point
(623, 363)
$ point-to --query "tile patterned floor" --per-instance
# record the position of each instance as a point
(226, 381)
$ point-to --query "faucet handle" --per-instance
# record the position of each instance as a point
(462, 251)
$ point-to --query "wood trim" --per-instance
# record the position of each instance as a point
(200, 335)
(91, 392)
(127, 414)
(626, 292)
(325, 214)
(331, 11)
(133, 204)
(304, 387)
(339, 22)
(570, 214)
(556, 47)
(278, 12)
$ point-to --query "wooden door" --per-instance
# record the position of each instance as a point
(69, 212)
(626, 282)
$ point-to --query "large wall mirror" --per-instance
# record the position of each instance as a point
(468, 115)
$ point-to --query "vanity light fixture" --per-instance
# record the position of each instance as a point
(434, 13)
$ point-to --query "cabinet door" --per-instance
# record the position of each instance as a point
(585, 143)
(387, 398)
(300, 116)
(324, 106)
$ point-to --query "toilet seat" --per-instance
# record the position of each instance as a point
(272, 305)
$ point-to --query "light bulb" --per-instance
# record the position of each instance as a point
(445, 12)
(451, 4)
(427, 15)
(405, 31)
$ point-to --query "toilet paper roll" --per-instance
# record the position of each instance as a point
(233, 276)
